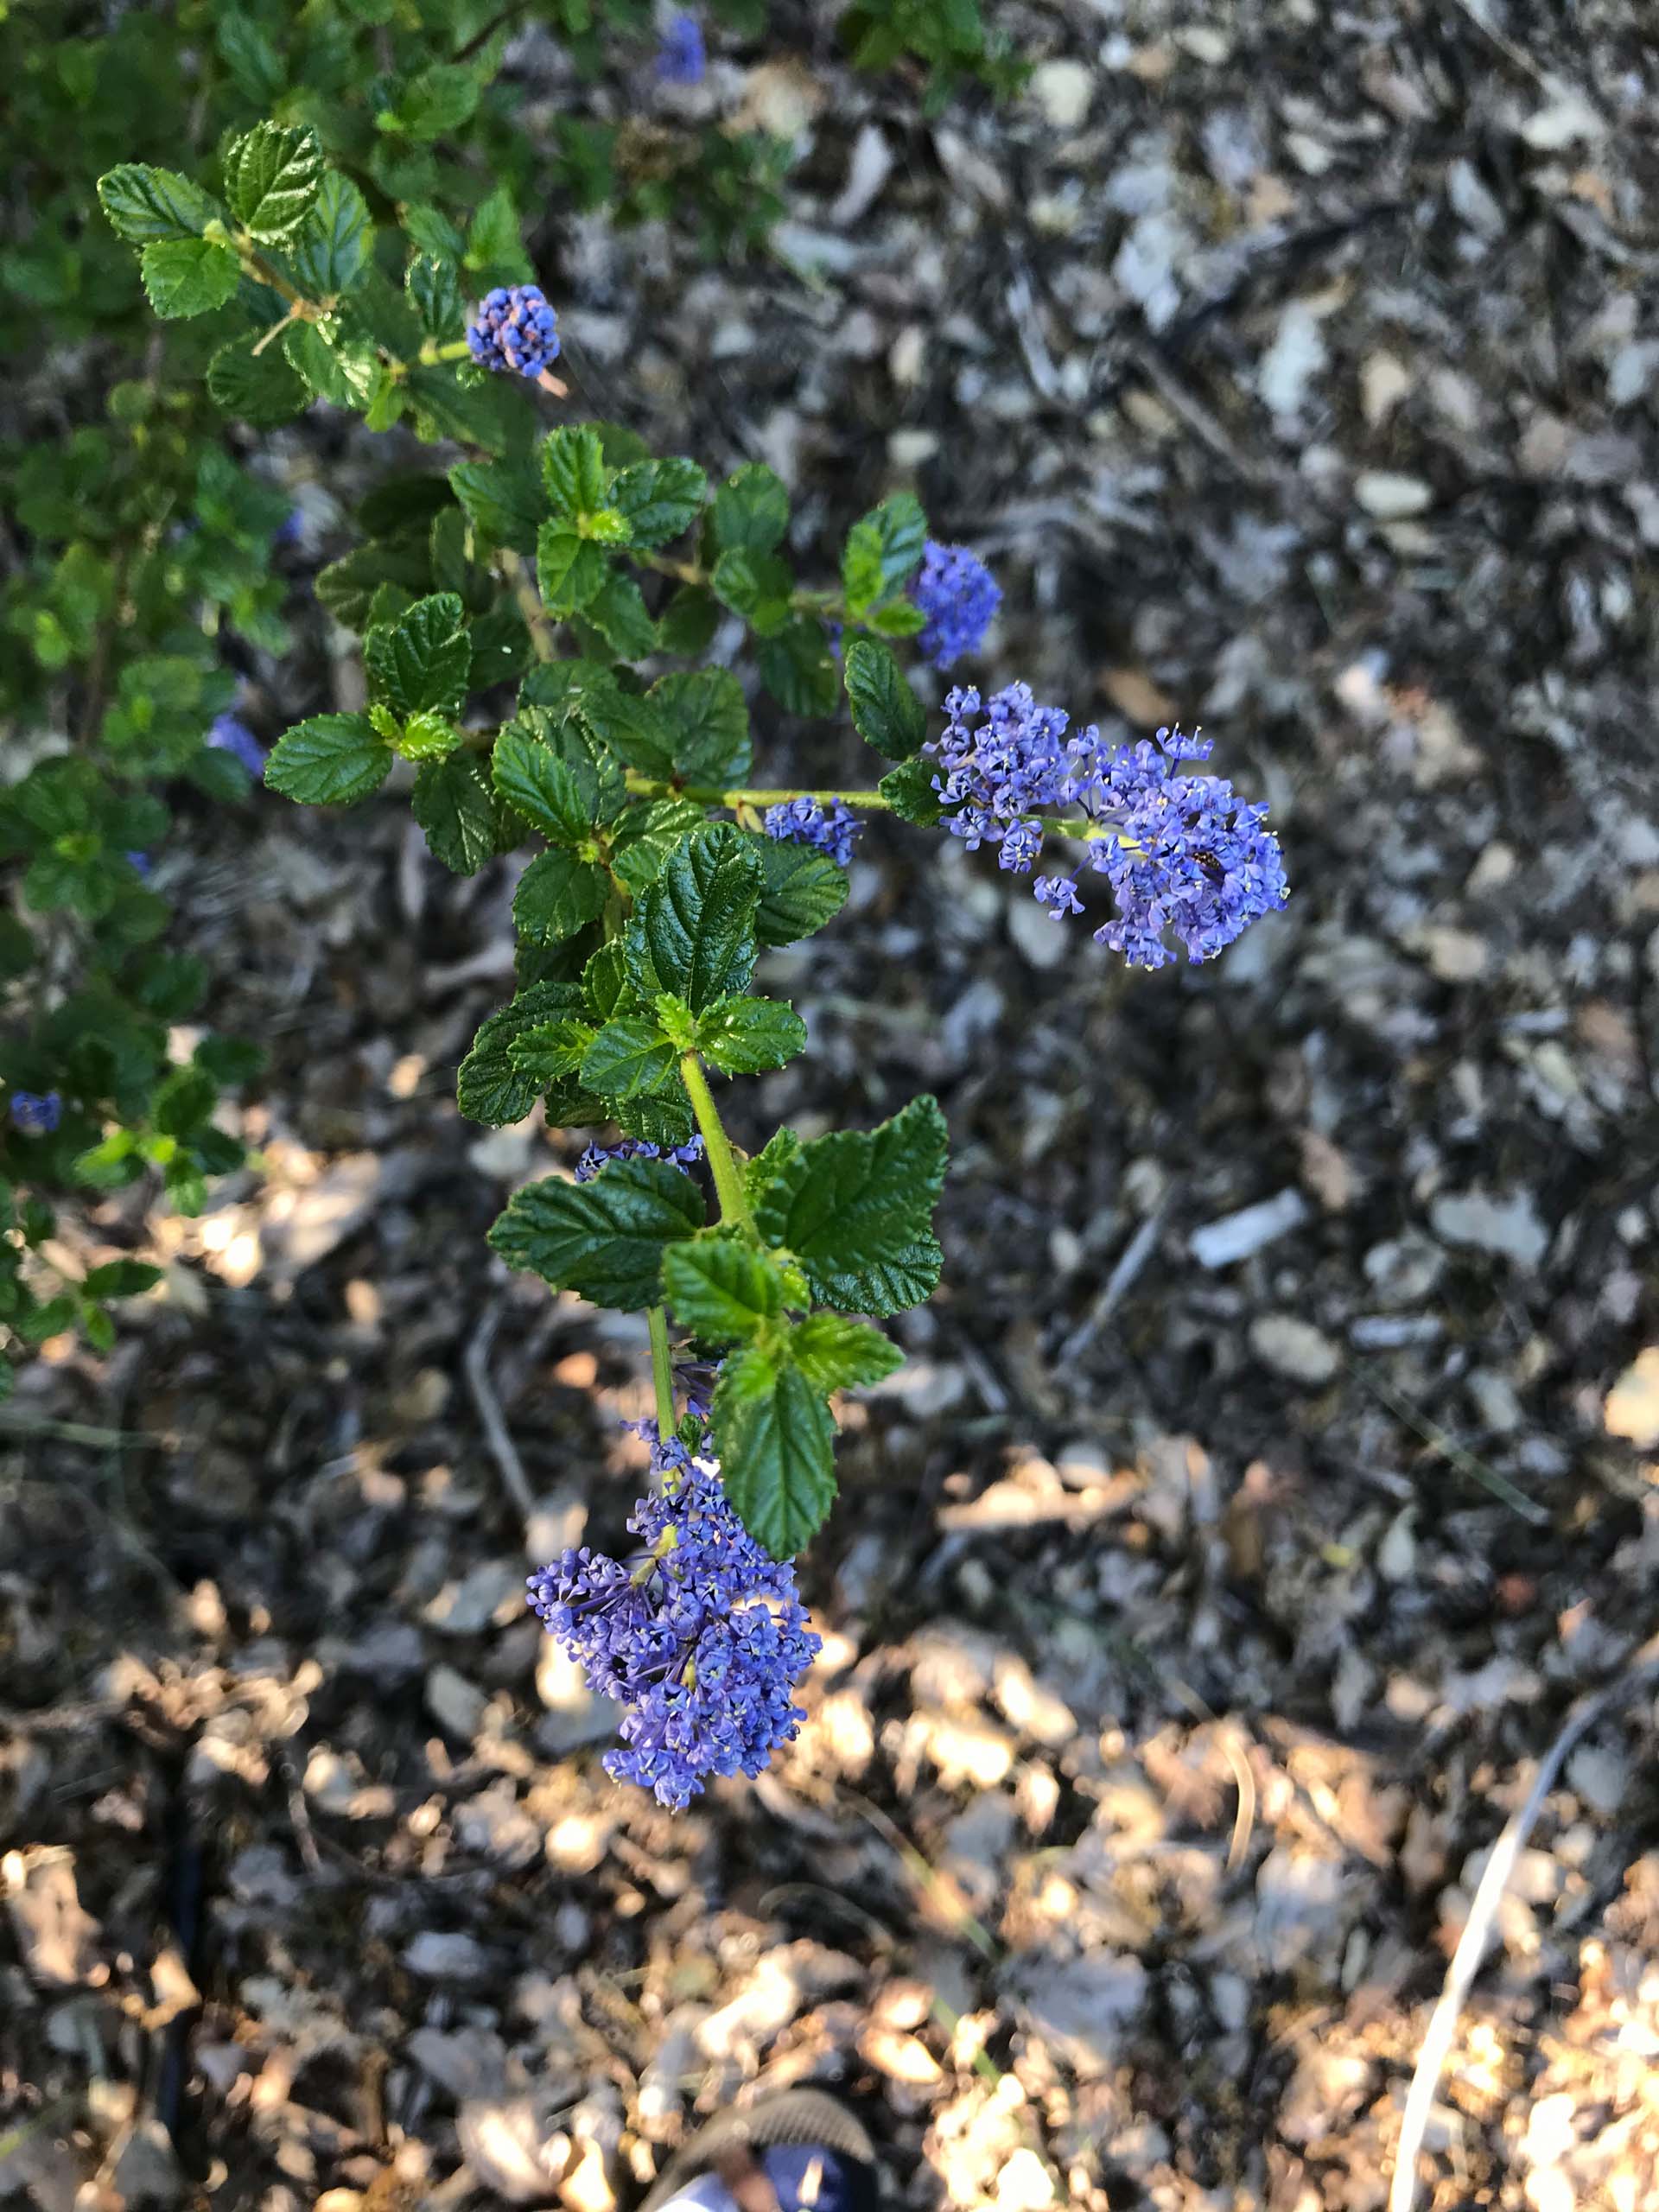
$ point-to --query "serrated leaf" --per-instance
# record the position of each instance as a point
(908, 790)
(688, 623)
(646, 834)
(605, 979)
(420, 663)
(330, 761)
(748, 1036)
(882, 549)
(260, 389)
(434, 287)
(541, 788)
(836, 1354)
(629, 1057)
(661, 1117)
(574, 474)
(550, 1051)
(606, 1239)
(757, 586)
(693, 930)
(887, 713)
(347, 588)
(898, 618)
(187, 276)
(721, 1288)
(804, 889)
(707, 720)
(776, 1442)
(504, 501)
(273, 177)
(751, 510)
(489, 1088)
(569, 569)
(558, 896)
(344, 375)
(855, 1208)
(659, 499)
(334, 247)
(600, 785)
(144, 204)
(798, 668)
(452, 803)
(618, 612)
(494, 252)
(120, 1279)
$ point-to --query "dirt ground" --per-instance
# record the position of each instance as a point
(1277, 1464)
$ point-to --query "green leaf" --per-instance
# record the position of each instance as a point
(253, 61)
(855, 1209)
(647, 832)
(797, 667)
(570, 569)
(655, 1116)
(688, 621)
(337, 242)
(330, 761)
(144, 204)
(573, 470)
(420, 664)
(757, 586)
(748, 1036)
(721, 1288)
(660, 500)
(605, 979)
(537, 785)
(887, 713)
(551, 1051)
(346, 375)
(120, 1279)
(347, 587)
(184, 1102)
(504, 499)
(803, 890)
(835, 1354)
(187, 276)
(629, 1056)
(693, 930)
(618, 612)
(707, 719)
(603, 791)
(558, 896)
(751, 510)
(261, 388)
(776, 1442)
(434, 287)
(881, 551)
(437, 101)
(488, 1087)
(898, 618)
(493, 248)
(452, 803)
(273, 178)
(908, 790)
(605, 1239)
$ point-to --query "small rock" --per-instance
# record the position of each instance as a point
(1034, 932)
(1064, 91)
(512, 2149)
(1293, 1348)
(496, 1826)
(1391, 496)
(1632, 1408)
(445, 1955)
(464, 1608)
(1085, 2009)
(1510, 1227)
(1405, 1269)
(900, 2057)
(1235, 1236)
(455, 1704)
(1025, 2183)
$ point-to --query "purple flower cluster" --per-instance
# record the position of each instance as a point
(804, 821)
(516, 329)
(680, 58)
(702, 1639)
(958, 595)
(1183, 855)
(598, 1155)
(229, 735)
(34, 1113)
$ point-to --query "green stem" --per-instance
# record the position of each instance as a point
(662, 1370)
(511, 566)
(729, 1178)
(652, 787)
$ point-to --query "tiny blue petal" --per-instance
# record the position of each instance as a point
(516, 330)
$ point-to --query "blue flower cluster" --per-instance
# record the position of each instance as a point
(702, 1640)
(35, 1113)
(680, 59)
(229, 735)
(598, 1155)
(1183, 855)
(958, 595)
(805, 822)
(516, 329)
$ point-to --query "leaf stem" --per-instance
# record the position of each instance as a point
(511, 566)
(702, 795)
(729, 1178)
(662, 1370)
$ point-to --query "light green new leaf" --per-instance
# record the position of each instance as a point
(836, 1354)
(574, 471)
(881, 551)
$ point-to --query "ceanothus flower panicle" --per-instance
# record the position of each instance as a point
(516, 329)
(701, 1639)
(227, 734)
(598, 1155)
(958, 595)
(37, 1114)
(680, 58)
(1184, 855)
(804, 821)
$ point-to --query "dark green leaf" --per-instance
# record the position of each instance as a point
(722, 1289)
(570, 569)
(654, 1117)
(708, 720)
(618, 612)
(688, 621)
(558, 895)
(835, 1354)
(881, 551)
(253, 60)
(437, 100)
(605, 979)
(344, 375)
(855, 1208)
(804, 889)
(452, 803)
(776, 1442)
(747, 1036)
(420, 664)
(260, 389)
(143, 204)
(494, 250)
(489, 1088)
(504, 501)
(573, 470)
(273, 178)
(757, 586)
(329, 761)
(659, 499)
(693, 930)
(334, 247)
(887, 713)
(184, 1102)
(602, 792)
(187, 276)
(646, 834)
(120, 1279)
(751, 510)
(347, 587)
(798, 668)
(629, 1056)
(539, 786)
(908, 790)
(551, 1051)
(605, 1239)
